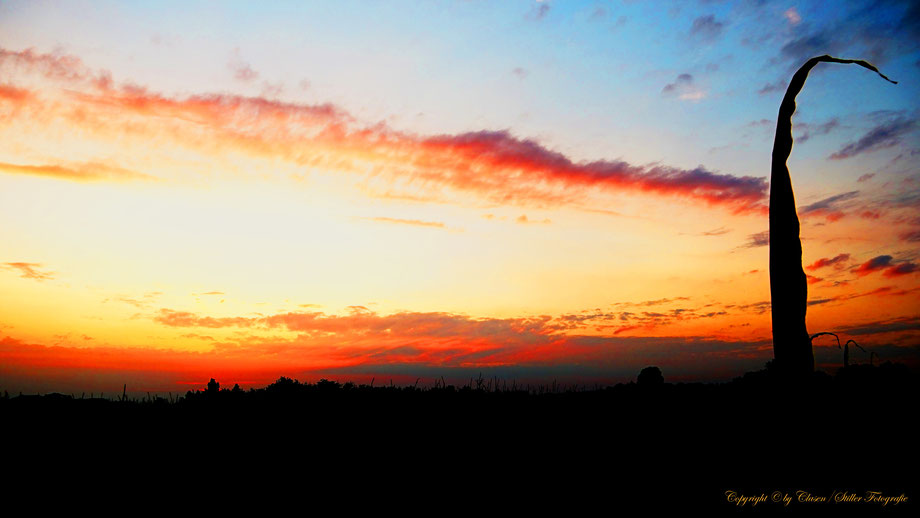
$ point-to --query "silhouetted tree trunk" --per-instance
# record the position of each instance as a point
(788, 288)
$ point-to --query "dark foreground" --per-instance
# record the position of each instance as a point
(647, 445)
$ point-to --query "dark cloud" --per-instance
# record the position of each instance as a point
(878, 29)
(648, 303)
(757, 240)
(876, 263)
(828, 206)
(901, 269)
(883, 136)
(911, 236)
(757, 307)
(865, 177)
(716, 231)
(706, 28)
(884, 326)
(813, 44)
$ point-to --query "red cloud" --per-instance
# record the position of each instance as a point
(494, 164)
(821, 263)
(262, 361)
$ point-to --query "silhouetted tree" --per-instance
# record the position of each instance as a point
(213, 387)
(650, 376)
(788, 287)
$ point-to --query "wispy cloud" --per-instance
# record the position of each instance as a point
(757, 240)
(885, 135)
(29, 271)
(415, 222)
(706, 28)
(776, 86)
(716, 232)
(171, 318)
(524, 220)
(684, 88)
(911, 236)
(143, 302)
(76, 172)
(884, 326)
(807, 130)
(828, 207)
(242, 71)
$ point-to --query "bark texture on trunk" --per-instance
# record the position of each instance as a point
(792, 349)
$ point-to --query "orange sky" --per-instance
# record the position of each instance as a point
(159, 240)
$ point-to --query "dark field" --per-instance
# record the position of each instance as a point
(648, 444)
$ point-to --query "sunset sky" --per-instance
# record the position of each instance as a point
(398, 190)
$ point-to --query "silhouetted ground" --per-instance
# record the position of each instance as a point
(650, 444)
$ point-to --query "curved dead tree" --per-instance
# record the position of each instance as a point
(788, 288)
(846, 353)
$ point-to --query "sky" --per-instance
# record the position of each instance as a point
(357, 190)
